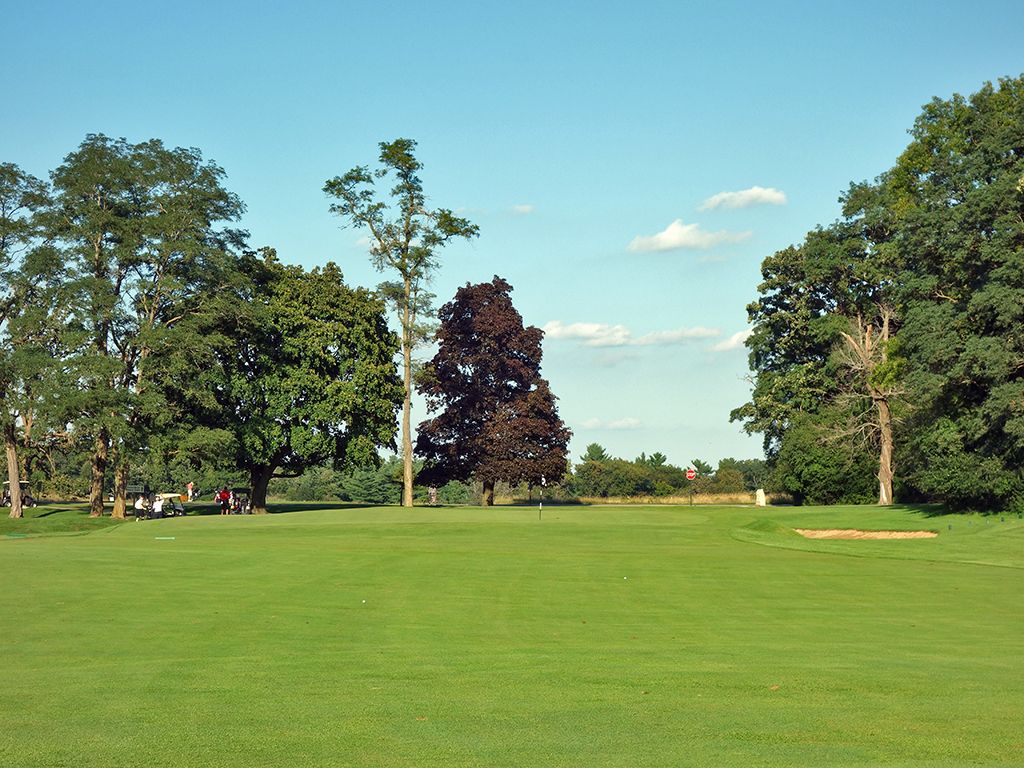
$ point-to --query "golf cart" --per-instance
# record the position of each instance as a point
(27, 499)
(145, 506)
(173, 506)
(241, 503)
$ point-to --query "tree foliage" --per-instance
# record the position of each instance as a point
(595, 452)
(25, 263)
(904, 318)
(960, 192)
(600, 475)
(140, 229)
(308, 377)
(140, 341)
(496, 417)
(405, 237)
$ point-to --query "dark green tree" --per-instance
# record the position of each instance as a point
(916, 290)
(22, 255)
(753, 471)
(815, 470)
(595, 452)
(405, 238)
(612, 477)
(374, 485)
(823, 333)
(307, 378)
(958, 192)
(496, 417)
(727, 480)
(140, 229)
(703, 468)
(656, 459)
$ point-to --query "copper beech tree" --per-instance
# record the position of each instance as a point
(496, 417)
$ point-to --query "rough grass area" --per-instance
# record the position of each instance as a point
(469, 637)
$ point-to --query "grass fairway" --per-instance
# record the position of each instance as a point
(464, 637)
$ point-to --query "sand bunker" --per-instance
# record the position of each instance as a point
(852, 533)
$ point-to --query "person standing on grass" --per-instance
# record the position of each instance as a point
(224, 497)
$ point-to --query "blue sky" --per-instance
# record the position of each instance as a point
(587, 140)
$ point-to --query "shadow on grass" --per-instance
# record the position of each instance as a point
(308, 506)
(48, 508)
(49, 512)
(927, 510)
(282, 508)
(548, 502)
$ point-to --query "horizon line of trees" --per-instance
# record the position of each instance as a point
(596, 474)
(887, 350)
(141, 338)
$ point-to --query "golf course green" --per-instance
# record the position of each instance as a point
(597, 636)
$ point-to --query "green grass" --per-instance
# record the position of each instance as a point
(52, 519)
(597, 637)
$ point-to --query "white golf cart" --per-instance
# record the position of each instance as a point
(145, 504)
(27, 499)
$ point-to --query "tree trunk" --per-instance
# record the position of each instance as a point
(407, 399)
(488, 495)
(99, 471)
(885, 471)
(120, 486)
(260, 478)
(867, 354)
(13, 475)
(25, 458)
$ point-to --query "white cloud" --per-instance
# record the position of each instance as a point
(745, 198)
(677, 336)
(592, 334)
(627, 423)
(605, 335)
(522, 209)
(679, 235)
(733, 342)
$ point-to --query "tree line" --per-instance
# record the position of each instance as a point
(888, 347)
(599, 474)
(595, 474)
(141, 337)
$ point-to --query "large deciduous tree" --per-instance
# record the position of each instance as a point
(405, 237)
(820, 349)
(141, 229)
(497, 418)
(305, 375)
(22, 196)
(959, 208)
(918, 290)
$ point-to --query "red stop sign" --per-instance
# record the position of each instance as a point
(691, 474)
